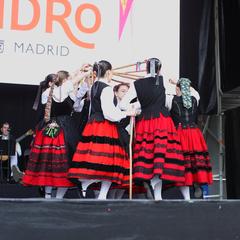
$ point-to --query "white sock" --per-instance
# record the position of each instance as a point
(158, 191)
(154, 180)
(48, 192)
(185, 192)
(104, 190)
(86, 184)
(156, 184)
(61, 192)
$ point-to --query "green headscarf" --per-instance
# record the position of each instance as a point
(185, 84)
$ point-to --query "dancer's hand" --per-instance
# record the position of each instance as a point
(174, 82)
(131, 112)
(86, 67)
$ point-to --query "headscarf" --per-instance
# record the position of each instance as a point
(185, 84)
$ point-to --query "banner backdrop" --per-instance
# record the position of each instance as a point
(38, 37)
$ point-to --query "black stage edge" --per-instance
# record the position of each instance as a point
(118, 220)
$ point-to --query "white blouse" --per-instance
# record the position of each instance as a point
(131, 94)
(169, 98)
(60, 93)
(110, 111)
(79, 102)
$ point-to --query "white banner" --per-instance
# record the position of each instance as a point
(38, 37)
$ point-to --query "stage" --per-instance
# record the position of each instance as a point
(119, 220)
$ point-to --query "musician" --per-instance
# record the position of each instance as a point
(11, 151)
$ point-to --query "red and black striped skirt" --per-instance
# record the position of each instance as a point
(197, 161)
(157, 151)
(100, 155)
(48, 162)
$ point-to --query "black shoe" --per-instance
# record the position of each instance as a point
(198, 193)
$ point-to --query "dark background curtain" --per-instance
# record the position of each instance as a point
(229, 14)
(197, 59)
(232, 144)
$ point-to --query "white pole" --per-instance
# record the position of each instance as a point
(219, 98)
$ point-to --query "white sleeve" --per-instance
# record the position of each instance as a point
(195, 94)
(78, 105)
(110, 112)
(129, 96)
(18, 149)
(137, 105)
(168, 101)
(79, 102)
(82, 90)
(44, 96)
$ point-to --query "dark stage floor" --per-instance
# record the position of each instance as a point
(118, 220)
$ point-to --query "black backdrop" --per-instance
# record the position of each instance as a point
(197, 62)
(230, 52)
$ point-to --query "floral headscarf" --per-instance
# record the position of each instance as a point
(185, 84)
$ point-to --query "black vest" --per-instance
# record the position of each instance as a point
(96, 108)
(181, 115)
(64, 108)
(151, 97)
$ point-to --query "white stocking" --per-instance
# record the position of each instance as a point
(86, 184)
(104, 190)
(185, 192)
(61, 192)
(156, 184)
(48, 192)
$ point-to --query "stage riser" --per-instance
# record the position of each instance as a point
(119, 220)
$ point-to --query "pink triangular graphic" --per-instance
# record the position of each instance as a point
(123, 15)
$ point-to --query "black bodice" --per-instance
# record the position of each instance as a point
(181, 115)
(62, 108)
(152, 97)
(96, 108)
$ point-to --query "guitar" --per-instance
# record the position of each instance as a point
(28, 133)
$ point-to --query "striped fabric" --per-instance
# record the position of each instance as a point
(157, 151)
(197, 161)
(100, 155)
(48, 163)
